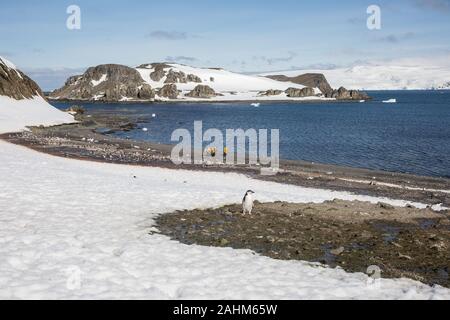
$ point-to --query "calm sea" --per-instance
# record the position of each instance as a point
(410, 136)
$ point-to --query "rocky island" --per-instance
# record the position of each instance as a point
(175, 82)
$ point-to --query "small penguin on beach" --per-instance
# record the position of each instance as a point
(247, 202)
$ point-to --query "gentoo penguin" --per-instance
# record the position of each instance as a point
(247, 202)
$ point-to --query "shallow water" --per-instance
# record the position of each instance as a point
(411, 136)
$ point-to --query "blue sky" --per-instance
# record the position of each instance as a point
(244, 35)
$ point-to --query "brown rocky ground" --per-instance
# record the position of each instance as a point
(402, 242)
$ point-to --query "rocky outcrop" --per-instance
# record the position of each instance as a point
(15, 84)
(344, 94)
(202, 91)
(110, 82)
(270, 92)
(300, 93)
(313, 80)
(176, 77)
(146, 92)
(194, 78)
(169, 91)
(318, 80)
(181, 77)
(159, 72)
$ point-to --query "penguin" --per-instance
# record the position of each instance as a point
(247, 202)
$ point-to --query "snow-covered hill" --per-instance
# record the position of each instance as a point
(22, 103)
(230, 85)
(384, 76)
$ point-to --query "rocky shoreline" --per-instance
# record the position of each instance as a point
(89, 140)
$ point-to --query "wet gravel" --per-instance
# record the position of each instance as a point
(402, 242)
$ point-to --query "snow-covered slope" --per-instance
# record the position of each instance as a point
(233, 86)
(22, 103)
(384, 76)
(16, 115)
(71, 237)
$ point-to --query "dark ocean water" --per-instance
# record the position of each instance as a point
(411, 136)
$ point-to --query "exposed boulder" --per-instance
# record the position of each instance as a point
(110, 82)
(75, 110)
(176, 77)
(202, 91)
(146, 92)
(193, 78)
(313, 80)
(15, 84)
(270, 92)
(169, 91)
(300, 93)
(157, 75)
(344, 94)
(158, 72)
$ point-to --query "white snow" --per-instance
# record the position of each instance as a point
(16, 115)
(102, 79)
(63, 218)
(398, 75)
(233, 86)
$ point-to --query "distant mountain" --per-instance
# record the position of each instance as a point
(175, 82)
(383, 77)
(22, 102)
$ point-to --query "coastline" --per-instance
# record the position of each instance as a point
(82, 141)
(202, 101)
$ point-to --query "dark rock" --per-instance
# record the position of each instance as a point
(314, 80)
(157, 75)
(344, 94)
(176, 77)
(271, 92)
(158, 72)
(169, 91)
(300, 93)
(193, 78)
(203, 92)
(118, 82)
(146, 92)
(15, 84)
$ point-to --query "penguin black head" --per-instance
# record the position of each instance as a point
(250, 192)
